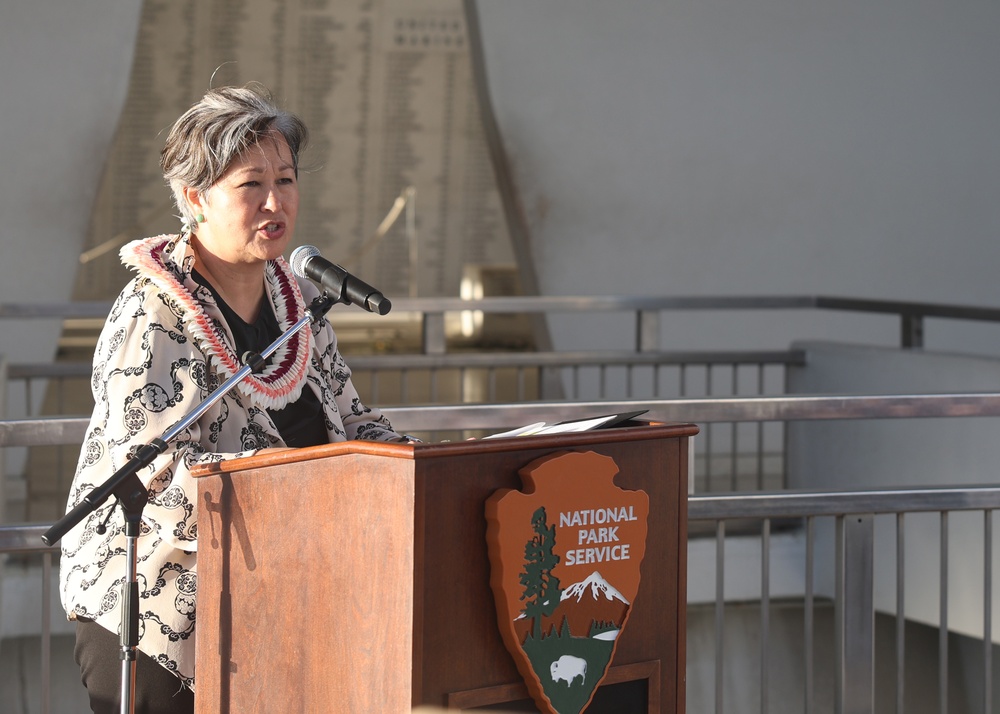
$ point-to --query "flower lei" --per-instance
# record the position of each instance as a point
(159, 259)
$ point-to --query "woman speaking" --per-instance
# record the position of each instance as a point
(199, 300)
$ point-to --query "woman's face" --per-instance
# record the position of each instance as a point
(250, 211)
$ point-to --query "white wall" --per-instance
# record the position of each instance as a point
(890, 453)
(698, 147)
(64, 70)
(682, 147)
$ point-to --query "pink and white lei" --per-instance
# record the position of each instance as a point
(164, 259)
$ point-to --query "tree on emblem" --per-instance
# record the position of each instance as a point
(541, 587)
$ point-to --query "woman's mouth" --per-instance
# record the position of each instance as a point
(273, 230)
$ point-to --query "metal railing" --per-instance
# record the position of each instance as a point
(649, 377)
(756, 413)
(495, 417)
(540, 373)
(853, 513)
(442, 367)
(854, 675)
(855, 564)
(26, 540)
(646, 311)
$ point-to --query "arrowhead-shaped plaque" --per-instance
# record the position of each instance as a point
(565, 554)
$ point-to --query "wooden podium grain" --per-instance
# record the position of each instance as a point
(354, 577)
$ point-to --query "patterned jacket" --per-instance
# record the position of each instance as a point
(164, 348)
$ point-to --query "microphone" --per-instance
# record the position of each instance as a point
(306, 262)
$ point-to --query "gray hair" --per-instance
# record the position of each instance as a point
(224, 123)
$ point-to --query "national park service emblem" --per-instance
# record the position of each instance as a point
(565, 555)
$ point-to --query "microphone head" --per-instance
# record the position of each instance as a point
(297, 260)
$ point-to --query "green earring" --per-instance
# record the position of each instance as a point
(200, 218)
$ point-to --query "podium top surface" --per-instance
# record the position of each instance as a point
(441, 449)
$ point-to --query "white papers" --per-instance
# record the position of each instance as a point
(580, 425)
(566, 427)
(520, 431)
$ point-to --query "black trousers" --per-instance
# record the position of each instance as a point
(157, 690)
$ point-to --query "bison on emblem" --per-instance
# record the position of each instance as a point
(567, 668)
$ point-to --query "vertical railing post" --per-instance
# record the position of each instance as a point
(855, 615)
(900, 612)
(912, 337)
(45, 675)
(765, 614)
(3, 475)
(988, 611)
(433, 336)
(720, 615)
(809, 625)
(943, 616)
(3, 456)
(647, 331)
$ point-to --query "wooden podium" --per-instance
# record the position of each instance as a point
(354, 577)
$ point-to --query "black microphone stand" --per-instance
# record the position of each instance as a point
(132, 496)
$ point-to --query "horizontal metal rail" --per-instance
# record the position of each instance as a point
(542, 304)
(488, 360)
(500, 360)
(25, 538)
(704, 410)
(69, 430)
(801, 504)
(646, 309)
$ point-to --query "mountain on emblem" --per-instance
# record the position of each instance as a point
(590, 604)
(570, 524)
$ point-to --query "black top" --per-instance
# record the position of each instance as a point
(301, 423)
